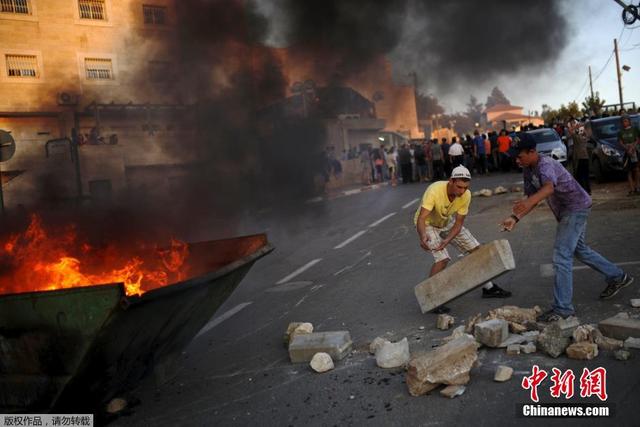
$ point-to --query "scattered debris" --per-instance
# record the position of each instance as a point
(500, 190)
(632, 343)
(635, 303)
(622, 315)
(116, 405)
(296, 328)
(528, 348)
(485, 263)
(622, 354)
(503, 373)
(304, 346)
(520, 319)
(516, 189)
(444, 322)
(491, 332)
(513, 349)
(457, 333)
(485, 192)
(620, 327)
(551, 341)
(584, 333)
(393, 355)
(421, 328)
(565, 327)
(376, 344)
(513, 339)
(608, 344)
(452, 391)
(583, 350)
(448, 364)
(321, 362)
(471, 323)
(530, 336)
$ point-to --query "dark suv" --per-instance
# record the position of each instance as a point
(605, 151)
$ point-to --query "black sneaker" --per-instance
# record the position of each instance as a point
(551, 316)
(443, 309)
(495, 292)
(615, 286)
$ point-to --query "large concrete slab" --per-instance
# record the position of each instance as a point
(486, 263)
(303, 347)
(620, 328)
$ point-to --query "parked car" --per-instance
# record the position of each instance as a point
(605, 152)
(549, 143)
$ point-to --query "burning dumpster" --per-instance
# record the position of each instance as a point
(75, 348)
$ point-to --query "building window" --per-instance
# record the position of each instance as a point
(14, 6)
(92, 9)
(98, 69)
(156, 15)
(22, 66)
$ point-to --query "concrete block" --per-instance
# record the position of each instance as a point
(303, 347)
(452, 391)
(513, 339)
(503, 373)
(632, 343)
(565, 327)
(486, 263)
(583, 350)
(528, 348)
(620, 328)
(513, 349)
(492, 332)
(444, 322)
(622, 354)
(635, 302)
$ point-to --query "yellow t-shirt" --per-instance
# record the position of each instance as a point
(436, 200)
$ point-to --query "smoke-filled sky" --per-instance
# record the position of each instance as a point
(536, 52)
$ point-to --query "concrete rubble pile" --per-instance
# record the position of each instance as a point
(485, 192)
(320, 349)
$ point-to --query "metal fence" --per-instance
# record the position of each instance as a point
(22, 65)
(14, 6)
(92, 9)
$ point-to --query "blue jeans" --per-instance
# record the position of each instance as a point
(569, 242)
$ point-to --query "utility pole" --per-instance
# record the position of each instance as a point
(615, 49)
(590, 82)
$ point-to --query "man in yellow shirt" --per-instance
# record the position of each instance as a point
(440, 220)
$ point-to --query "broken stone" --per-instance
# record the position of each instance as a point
(584, 333)
(632, 343)
(512, 339)
(635, 303)
(512, 313)
(304, 346)
(583, 350)
(449, 364)
(485, 192)
(622, 354)
(530, 336)
(421, 328)
(503, 373)
(491, 332)
(471, 323)
(457, 333)
(116, 405)
(563, 327)
(551, 341)
(620, 327)
(500, 190)
(297, 328)
(444, 322)
(517, 328)
(483, 264)
(452, 391)
(622, 315)
(513, 349)
(393, 355)
(528, 348)
(376, 344)
(321, 362)
(516, 189)
(608, 344)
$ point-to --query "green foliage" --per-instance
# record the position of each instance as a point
(593, 104)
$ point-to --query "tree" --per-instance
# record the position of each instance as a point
(593, 104)
(428, 106)
(548, 114)
(474, 109)
(496, 97)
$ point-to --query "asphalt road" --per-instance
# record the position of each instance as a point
(351, 264)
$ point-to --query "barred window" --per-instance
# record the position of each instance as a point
(14, 6)
(154, 14)
(22, 66)
(98, 68)
(92, 9)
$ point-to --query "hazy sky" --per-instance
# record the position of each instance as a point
(593, 26)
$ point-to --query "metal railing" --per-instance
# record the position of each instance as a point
(98, 69)
(92, 9)
(22, 65)
(14, 6)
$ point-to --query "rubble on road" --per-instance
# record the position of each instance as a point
(500, 190)
(632, 343)
(376, 344)
(622, 354)
(471, 323)
(503, 373)
(608, 344)
(304, 346)
(520, 319)
(321, 362)
(296, 328)
(620, 327)
(565, 327)
(528, 348)
(583, 350)
(393, 355)
(448, 364)
(444, 322)
(513, 349)
(516, 189)
(491, 332)
(584, 333)
(116, 405)
(551, 341)
(513, 339)
(635, 302)
(452, 391)
(530, 336)
(485, 192)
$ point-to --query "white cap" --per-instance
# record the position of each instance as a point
(460, 172)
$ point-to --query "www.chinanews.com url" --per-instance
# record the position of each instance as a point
(550, 410)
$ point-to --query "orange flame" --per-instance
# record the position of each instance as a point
(39, 260)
